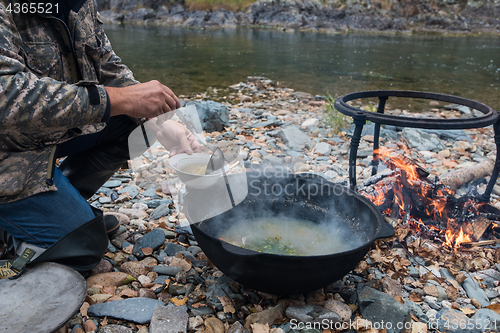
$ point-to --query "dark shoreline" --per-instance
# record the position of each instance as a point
(310, 16)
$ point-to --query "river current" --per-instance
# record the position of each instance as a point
(191, 60)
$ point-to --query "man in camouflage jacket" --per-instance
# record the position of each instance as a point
(64, 92)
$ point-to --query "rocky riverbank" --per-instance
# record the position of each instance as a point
(334, 16)
(155, 278)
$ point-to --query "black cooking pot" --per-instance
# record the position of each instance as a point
(303, 196)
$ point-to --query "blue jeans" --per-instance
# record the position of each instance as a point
(44, 218)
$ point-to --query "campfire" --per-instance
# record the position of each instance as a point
(428, 206)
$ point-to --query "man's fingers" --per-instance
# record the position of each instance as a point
(171, 99)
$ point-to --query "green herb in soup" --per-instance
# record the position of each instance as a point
(287, 236)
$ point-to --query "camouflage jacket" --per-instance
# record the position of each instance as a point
(52, 78)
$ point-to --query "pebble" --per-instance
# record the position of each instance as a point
(138, 310)
(115, 329)
(160, 211)
(167, 270)
(153, 239)
(169, 319)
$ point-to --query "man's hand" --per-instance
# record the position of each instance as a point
(176, 138)
(143, 100)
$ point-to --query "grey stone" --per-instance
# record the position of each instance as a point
(153, 239)
(474, 291)
(157, 202)
(105, 200)
(323, 148)
(195, 250)
(151, 192)
(417, 311)
(487, 320)
(214, 116)
(417, 138)
(160, 279)
(176, 289)
(184, 229)
(112, 183)
(311, 313)
(115, 329)
(488, 277)
(138, 310)
(453, 321)
(131, 190)
(462, 108)
(266, 123)
(202, 310)
(169, 319)
(171, 249)
(295, 138)
(160, 211)
(167, 270)
(377, 306)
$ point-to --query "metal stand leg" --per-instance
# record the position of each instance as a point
(496, 170)
(359, 121)
(376, 135)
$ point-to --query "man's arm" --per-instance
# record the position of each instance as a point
(29, 104)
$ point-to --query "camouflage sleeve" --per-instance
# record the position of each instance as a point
(113, 72)
(36, 105)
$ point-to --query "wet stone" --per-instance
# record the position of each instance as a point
(153, 239)
(167, 270)
(377, 306)
(171, 249)
(138, 310)
(160, 211)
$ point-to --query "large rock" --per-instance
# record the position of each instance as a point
(418, 138)
(454, 321)
(138, 310)
(213, 116)
(294, 138)
(487, 319)
(377, 306)
(473, 290)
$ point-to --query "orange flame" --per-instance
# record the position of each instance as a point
(453, 240)
(434, 207)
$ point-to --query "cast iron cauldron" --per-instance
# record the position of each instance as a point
(307, 197)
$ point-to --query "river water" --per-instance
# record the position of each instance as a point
(191, 60)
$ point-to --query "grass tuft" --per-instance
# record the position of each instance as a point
(336, 120)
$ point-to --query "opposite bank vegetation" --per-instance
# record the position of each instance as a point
(406, 16)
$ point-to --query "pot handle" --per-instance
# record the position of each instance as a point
(386, 230)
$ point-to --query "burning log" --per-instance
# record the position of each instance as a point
(455, 178)
(481, 243)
